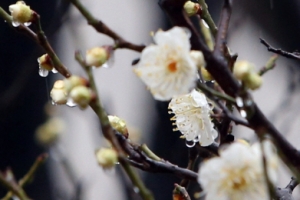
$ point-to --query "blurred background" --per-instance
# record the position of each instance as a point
(24, 93)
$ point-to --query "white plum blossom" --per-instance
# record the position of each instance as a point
(238, 174)
(192, 115)
(167, 67)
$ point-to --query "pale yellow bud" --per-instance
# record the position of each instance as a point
(242, 68)
(81, 95)
(107, 158)
(96, 56)
(206, 75)
(49, 132)
(253, 81)
(118, 124)
(20, 12)
(58, 93)
(191, 8)
(45, 62)
(198, 58)
(74, 81)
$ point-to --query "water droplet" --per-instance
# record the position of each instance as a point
(43, 72)
(190, 144)
(248, 102)
(15, 24)
(53, 103)
(27, 23)
(243, 113)
(136, 189)
(117, 163)
(205, 24)
(71, 103)
(54, 70)
(239, 102)
(106, 65)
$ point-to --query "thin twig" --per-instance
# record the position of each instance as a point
(269, 65)
(40, 38)
(207, 18)
(108, 131)
(193, 155)
(103, 28)
(223, 28)
(281, 52)
(27, 178)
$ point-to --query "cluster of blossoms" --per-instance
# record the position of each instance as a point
(169, 69)
(71, 91)
(238, 174)
(192, 113)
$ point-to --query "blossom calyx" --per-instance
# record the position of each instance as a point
(107, 158)
(191, 8)
(21, 13)
(81, 95)
(58, 93)
(97, 56)
(45, 62)
(118, 124)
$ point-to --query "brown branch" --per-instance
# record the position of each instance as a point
(217, 67)
(140, 160)
(223, 28)
(103, 28)
(281, 52)
(193, 155)
(27, 178)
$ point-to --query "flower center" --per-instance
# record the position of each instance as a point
(172, 66)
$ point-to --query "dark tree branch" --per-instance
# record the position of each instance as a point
(140, 160)
(286, 54)
(223, 28)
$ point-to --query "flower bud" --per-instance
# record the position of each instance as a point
(45, 62)
(74, 81)
(49, 132)
(106, 158)
(58, 93)
(191, 8)
(96, 56)
(198, 58)
(118, 124)
(21, 13)
(81, 95)
(242, 68)
(205, 74)
(253, 81)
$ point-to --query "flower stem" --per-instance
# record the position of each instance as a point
(207, 17)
